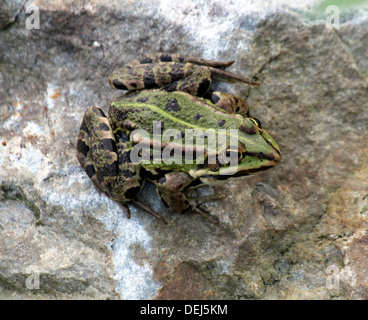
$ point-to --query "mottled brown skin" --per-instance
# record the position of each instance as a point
(104, 160)
(174, 72)
(104, 143)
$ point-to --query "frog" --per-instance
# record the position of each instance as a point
(171, 91)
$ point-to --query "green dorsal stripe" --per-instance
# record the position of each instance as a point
(174, 118)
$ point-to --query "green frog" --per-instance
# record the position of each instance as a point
(122, 150)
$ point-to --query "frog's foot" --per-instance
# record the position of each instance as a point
(149, 210)
(125, 209)
(143, 206)
(195, 202)
(206, 215)
(175, 57)
(219, 74)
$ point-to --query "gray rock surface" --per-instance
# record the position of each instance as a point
(9, 11)
(298, 231)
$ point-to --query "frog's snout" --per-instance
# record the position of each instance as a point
(276, 157)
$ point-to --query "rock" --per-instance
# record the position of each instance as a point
(9, 11)
(295, 232)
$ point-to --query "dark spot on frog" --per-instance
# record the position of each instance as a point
(149, 80)
(119, 85)
(146, 60)
(108, 170)
(247, 130)
(203, 87)
(144, 99)
(133, 84)
(165, 57)
(107, 144)
(84, 128)
(132, 192)
(170, 87)
(221, 122)
(197, 116)
(90, 170)
(125, 157)
(121, 136)
(104, 127)
(172, 105)
(215, 98)
(177, 72)
(82, 147)
(127, 173)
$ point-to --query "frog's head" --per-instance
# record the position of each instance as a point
(254, 152)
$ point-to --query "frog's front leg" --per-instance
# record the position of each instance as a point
(105, 160)
(171, 189)
(230, 103)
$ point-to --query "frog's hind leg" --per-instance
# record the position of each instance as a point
(190, 78)
(84, 155)
(215, 67)
(98, 156)
(170, 76)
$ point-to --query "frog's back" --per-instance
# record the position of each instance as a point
(175, 110)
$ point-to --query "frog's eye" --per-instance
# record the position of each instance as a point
(257, 122)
